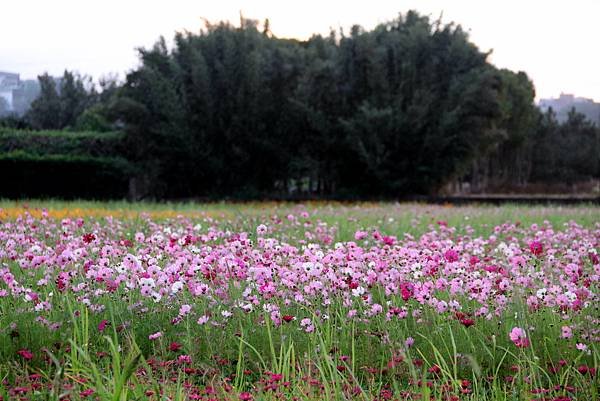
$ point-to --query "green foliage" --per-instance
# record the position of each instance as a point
(93, 119)
(62, 142)
(45, 111)
(63, 164)
(566, 152)
(507, 159)
(423, 99)
(399, 109)
(534, 148)
(63, 101)
(74, 98)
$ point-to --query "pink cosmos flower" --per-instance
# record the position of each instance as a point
(184, 310)
(360, 235)
(261, 229)
(376, 309)
(519, 337)
(582, 347)
(244, 396)
(566, 332)
(184, 360)
(306, 323)
(155, 336)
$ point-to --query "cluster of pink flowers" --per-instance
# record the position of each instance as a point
(296, 261)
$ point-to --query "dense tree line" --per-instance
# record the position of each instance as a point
(405, 108)
(233, 110)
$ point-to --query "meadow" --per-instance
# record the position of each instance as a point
(318, 301)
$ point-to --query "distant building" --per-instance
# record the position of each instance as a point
(9, 82)
(17, 94)
(566, 102)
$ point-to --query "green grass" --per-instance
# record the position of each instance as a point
(391, 218)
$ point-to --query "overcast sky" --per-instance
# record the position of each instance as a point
(557, 42)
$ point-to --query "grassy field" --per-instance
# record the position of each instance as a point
(393, 218)
(277, 301)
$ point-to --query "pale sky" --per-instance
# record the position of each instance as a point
(557, 42)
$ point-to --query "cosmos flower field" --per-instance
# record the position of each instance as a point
(298, 302)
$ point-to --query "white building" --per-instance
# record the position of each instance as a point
(8, 83)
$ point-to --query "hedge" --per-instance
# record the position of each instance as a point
(26, 175)
(96, 144)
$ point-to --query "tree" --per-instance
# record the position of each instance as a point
(151, 106)
(507, 162)
(45, 111)
(74, 98)
(423, 102)
(58, 108)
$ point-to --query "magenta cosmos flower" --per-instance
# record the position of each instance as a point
(536, 248)
(25, 354)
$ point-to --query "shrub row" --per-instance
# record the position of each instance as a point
(95, 144)
(27, 175)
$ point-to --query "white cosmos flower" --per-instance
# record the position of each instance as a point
(358, 291)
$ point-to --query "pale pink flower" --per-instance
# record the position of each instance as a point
(184, 310)
(519, 337)
(360, 235)
(155, 336)
(261, 229)
(582, 347)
